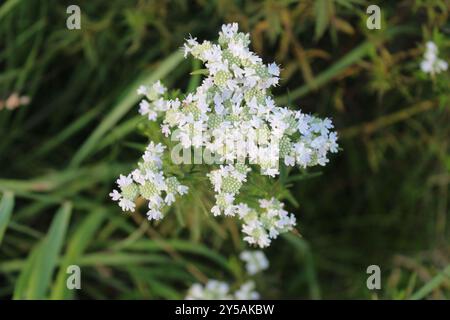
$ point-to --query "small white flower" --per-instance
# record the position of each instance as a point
(126, 205)
(165, 129)
(154, 214)
(182, 190)
(273, 69)
(255, 261)
(229, 30)
(115, 195)
(289, 161)
(213, 290)
(142, 90)
(159, 88)
(124, 181)
(431, 63)
(247, 292)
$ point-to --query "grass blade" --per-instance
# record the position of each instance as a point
(432, 284)
(304, 251)
(124, 105)
(353, 56)
(6, 207)
(36, 276)
(76, 246)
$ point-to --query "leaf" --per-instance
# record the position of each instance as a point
(353, 56)
(35, 278)
(181, 246)
(6, 207)
(75, 248)
(200, 71)
(121, 259)
(337, 68)
(123, 106)
(7, 7)
(304, 252)
(432, 284)
(322, 13)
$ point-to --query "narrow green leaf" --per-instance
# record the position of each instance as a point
(121, 259)
(75, 248)
(350, 58)
(304, 252)
(7, 7)
(6, 207)
(36, 276)
(353, 56)
(22, 283)
(124, 105)
(321, 11)
(432, 284)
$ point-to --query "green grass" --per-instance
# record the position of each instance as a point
(384, 199)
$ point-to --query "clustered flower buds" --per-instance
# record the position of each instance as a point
(148, 181)
(431, 63)
(232, 115)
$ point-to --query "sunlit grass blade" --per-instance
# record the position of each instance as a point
(21, 287)
(121, 259)
(7, 7)
(77, 244)
(6, 207)
(36, 275)
(432, 284)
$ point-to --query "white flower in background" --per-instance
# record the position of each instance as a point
(233, 116)
(255, 261)
(213, 290)
(218, 290)
(247, 292)
(431, 63)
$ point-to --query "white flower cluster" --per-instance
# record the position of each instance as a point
(227, 182)
(262, 226)
(218, 290)
(213, 290)
(431, 63)
(259, 227)
(149, 182)
(233, 116)
(255, 261)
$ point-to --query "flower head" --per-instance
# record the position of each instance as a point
(233, 116)
(431, 63)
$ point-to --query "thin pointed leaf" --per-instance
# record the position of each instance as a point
(6, 207)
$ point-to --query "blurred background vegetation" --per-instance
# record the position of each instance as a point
(384, 199)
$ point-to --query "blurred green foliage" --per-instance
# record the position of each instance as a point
(384, 199)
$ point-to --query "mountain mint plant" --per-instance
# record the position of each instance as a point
(233, 119)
